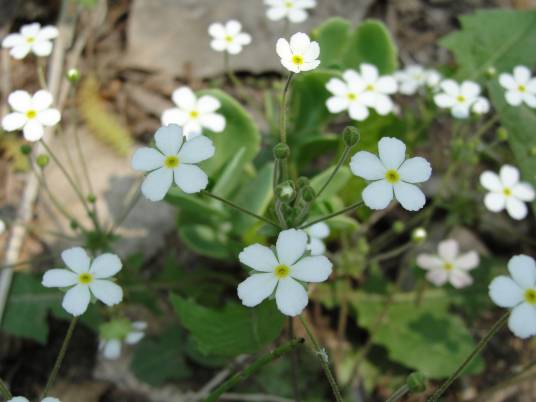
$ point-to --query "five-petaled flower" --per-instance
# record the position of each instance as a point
(282, 272)
(459, 98)
(228, 37)
(85, 278)
(293, 10)
(31, 38)
(377, 89)
(301, 54)
(114, 333)
(520, 87)
(518, 292)
(506, 191)
(317, 233)
(348, 94)
(31, 114)
(449, 265)
(391, 172)
(173, 159)
(194, 114)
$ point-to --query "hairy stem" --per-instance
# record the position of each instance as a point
(283, 111)
(332, 215)
(343, 158)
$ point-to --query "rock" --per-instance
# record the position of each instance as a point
(171, 36)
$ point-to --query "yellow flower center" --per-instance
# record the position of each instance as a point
(530, 296)
(281, 271)
(297, 59)
(31, 114)
(30, 40)
(460, 98)
(171, 162)
(194, 114)
(85, 278)
(352, 96)
(392, 176)
(289, 4)
(370, 87)
(521, 88)
(228, 38)
(507, 192)
(448, 266)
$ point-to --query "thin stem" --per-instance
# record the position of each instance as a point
(253, 368)
(332, 175)
(399, 393)
(332, 215)
(239, 208)
(293, 363)
(481, 345)
(283, 111)
(392, 253)
(321, 354)
(4, 391)
(41, 73)
(486, 126)
(61, 355)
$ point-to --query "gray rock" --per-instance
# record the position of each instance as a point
(171, 35)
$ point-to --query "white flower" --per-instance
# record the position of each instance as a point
(349, 94)
(282, 272)
(433, 79)
(301, 54)
(85, 278)
(519, 294)
(449, 265)
(193, 114)
(294, 10)
(173, 159)
(506, 191)
(480, 106)
(391, 172)
(229, 37)
(377, 89)
(23, 399)
(458, 98)
(31, 114)
(520, 87)
(32, 38)
(415, 77)
(111, 346)
(317, 233)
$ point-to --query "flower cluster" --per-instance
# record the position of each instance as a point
(292, 10)
(415, 77)
(461, 99)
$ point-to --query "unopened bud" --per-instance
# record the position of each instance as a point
(281, 151)
(308, 194)
(73, 75)
(502, 134)
(74, 225)
(285, 191)
(416, 382)
(419, 235)
(491, 72)
(398, 227)
(42, 160)
(25, 149)
(91, 198)
(302, 182)
(351, 136)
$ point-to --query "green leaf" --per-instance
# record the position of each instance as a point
(209, 241)
(332, 36)
(493, 38)
(161, 358)
(231, 175)
(199, 208)
(371, 43)
(313, 145)
(232, 331)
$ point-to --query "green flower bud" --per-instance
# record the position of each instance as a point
(73, 75)
(285, 191)
(491, 72)
(281, 151)
(308, 194)
(25, 149)
(351, 136)
(91, 198)
(398, 227)
(73, 224)
(42, 160)
(419, 235)
(416, 382)
(302, 182)
(502, 134)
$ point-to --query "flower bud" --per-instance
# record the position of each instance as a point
(351, 136)
(502, 134)
(398, 227)
(25, 149)
(419, 235)
(73, 224)
(91, 198)
(281, 151)
(491, 72)
(42, 160)
(308, 194)
(416, 382)
(73, 75)
(302, 182)
(285, 191)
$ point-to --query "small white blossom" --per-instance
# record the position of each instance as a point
(23, 399)
(111, 344)
(85, 278)
(377, 89)
(31, 38)
(31, 114)
(520, 87)
(293, 10)
(480, 106)
(518, 292)
(415, 77)
(301, 54)
(348, 94)
(449, 265)
(458, 98)
(506, 191)
(282, 273)
(173, 159)
(391, 172)
(228, 37)
(317, 233)
(193, 114)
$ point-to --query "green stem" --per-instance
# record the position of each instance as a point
(239, 208)
(4, 391)
(481, 345)
(55, 370)
(392, 253)
(332, 175)
(283, 111)
(399, 393)
(332, 215)
(321, 354)
(253, 368)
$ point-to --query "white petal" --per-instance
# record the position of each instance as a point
(308, 66)
(21, 51)
(337, 87)
(460, 111)
(276, 13)
(147, 159)
(354, 80)
(297, 15)
(509, 175)
(42, 100)
(460, 279)
(256, 288)
(312, 269)
(42, 48)
(190, 178)
(105, 266)
(507, 81)
(505, 292)
(522, 321)
(358, 111)
(437, 276)
(386, 85)
(59, 278)
(451, 88)
(33, 131)
(415, 170)
(76, 300)
(312, 52)
(184, 98)
(14, 121)
(76, 259)
(444, 100)
(196, 150)
(50, 399)
(383, 104)
(530, 100)
(134, 337)
(12, 40)
(157, 183)
(521, 74)
(233, 27)
(337, 104)
(243, 39)
(291, 297)
(174, 116)
(106, 291)
(217, 30)
(282, 48)
(112, 349)
(48, 32)
(299, 43)
(49, 117)
(367, 165)
(392, 152)
(523, 270)
(409, 196)
(31, 30)
(378, 195)
(319, 230)
(470, 89)
(467, 261)
(369, 73)
(20, 101)
(213, 121)
(290, 66)
(291, 245)
(18, 399)
(258, 257)
(491, 181)
(192, 129)
(523, 191)
(316, 246)
(169, 139)
(448, 250)
(513, 98)
(429, 261)
(219, 45)
(208, 104)
(516, 208)
(495, 202)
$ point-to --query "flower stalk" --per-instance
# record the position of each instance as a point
(399, 393)
(334, 214)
